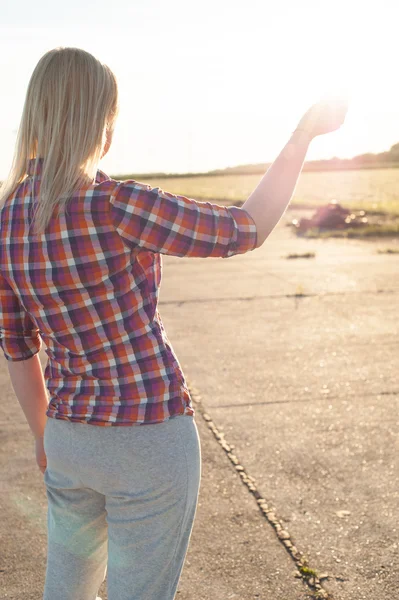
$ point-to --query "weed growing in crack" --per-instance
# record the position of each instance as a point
(307, 572)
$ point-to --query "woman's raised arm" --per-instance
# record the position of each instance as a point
(269, 200)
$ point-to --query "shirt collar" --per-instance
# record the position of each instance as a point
(100, 176)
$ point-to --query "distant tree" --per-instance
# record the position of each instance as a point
(365, 158)
(394, 150)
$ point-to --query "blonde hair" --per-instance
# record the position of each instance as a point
(69, 115)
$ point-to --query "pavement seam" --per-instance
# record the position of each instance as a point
(306, 573)
(272, 296)
(324, 398)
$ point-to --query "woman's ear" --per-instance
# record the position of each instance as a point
(108, 142)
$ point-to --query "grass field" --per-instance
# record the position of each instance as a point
(368, 189)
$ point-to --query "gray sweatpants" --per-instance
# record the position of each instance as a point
(121, 503)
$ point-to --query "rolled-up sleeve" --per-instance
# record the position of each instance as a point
(155, 220)
(19, 337)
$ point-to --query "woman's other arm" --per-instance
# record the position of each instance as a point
(20, 341)
(29, 386)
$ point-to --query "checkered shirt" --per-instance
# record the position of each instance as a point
(88, 287)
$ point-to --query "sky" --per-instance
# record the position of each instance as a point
(211, 84)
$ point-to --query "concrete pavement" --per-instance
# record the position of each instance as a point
(297, 361)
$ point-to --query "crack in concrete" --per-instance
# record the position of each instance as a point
(307, 574)
(323, 398)
(271, 296)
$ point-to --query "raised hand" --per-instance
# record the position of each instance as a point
(324, 117)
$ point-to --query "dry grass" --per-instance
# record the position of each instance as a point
(372, 189)
(372, 231)
(389, 251)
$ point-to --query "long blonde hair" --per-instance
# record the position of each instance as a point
(70, 110)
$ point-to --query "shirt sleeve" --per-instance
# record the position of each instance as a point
(155, 220)
(19, 337)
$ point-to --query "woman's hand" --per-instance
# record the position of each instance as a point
(41, 458)
(324, 117)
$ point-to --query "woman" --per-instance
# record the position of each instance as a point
(80, 268)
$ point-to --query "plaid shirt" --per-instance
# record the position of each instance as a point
(89, 288)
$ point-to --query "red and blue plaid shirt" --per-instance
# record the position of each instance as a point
(89, 285)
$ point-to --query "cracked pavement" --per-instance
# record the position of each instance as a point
(297, 363)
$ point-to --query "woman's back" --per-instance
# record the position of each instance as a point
(89, 287)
